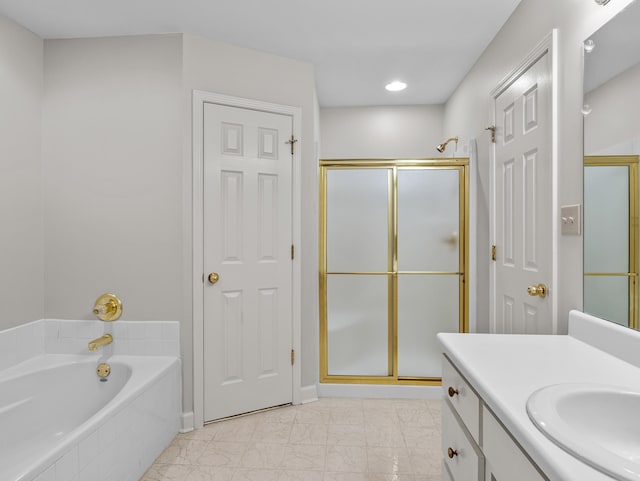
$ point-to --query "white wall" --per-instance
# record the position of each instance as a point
(467, 113)
(21, 241)
(612, 126)
(226, 69)
(117, 151)
(381, 132)
(112, 151)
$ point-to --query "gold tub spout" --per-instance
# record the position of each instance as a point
(101, 341)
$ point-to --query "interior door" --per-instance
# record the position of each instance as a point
(522, 214)
(247, 260)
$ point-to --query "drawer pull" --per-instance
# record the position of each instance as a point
(451, 453)
(452, 392)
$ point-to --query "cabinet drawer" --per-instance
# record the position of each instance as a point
(461, 454)
(505, 459)
(463, 399)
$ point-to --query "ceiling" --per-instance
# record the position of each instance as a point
(356, 46)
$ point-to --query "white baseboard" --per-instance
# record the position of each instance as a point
(187, 422)
(379, 391)
(308, 394)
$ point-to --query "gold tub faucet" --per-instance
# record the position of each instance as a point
(101, 341)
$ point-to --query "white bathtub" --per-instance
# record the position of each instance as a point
(59, 422)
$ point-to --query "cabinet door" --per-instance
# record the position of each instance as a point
(504, 460)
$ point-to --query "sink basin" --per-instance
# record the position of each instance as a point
(599, 425)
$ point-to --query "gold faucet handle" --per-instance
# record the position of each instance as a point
(108, 307)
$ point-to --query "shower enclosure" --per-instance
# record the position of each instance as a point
(611, 238)
(393, 258)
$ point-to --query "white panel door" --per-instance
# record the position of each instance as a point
(247, 243)
(522, 215)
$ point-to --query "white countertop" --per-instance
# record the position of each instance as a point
(505, 369)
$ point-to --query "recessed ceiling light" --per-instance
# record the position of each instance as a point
(395, 86)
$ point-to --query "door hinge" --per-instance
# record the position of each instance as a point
(291, 142)
(492, 129)
(293, 252)
(293, 356)
(494, 255)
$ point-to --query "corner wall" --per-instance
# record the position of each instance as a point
(467, 113)
(21, 216)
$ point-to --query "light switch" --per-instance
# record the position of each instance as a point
(570, 219)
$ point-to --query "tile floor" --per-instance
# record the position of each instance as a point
(333, 439)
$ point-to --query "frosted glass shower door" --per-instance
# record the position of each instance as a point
(610, 239)
(392, 263)
(429, 260)
(358, 278)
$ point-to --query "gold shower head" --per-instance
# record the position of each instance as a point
(440, 148)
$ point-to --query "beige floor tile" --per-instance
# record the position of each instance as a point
(345, 477)
(383, 414)
(388, 461)
(346, 435)
(303, 457)
(260, 455)
(256, 475)
(203, 434)
(279, 415)
(210, 473)
(344, 402)
(313, 414)
(167, 472)
(182, 451)
(334, 439)
(390, 477)
(220, 453)
(346, 459)
(384, 435)
(235, 430)
(296, 475)
(309, 434)
(346, 415)
(272, 433)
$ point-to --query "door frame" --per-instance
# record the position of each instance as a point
(200, 98)
(549, 46)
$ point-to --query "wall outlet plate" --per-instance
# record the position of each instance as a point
(571, 219)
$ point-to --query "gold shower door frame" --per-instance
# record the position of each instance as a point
(630, 161)
(393, 165)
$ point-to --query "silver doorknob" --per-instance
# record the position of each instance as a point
(214, 277)
(540, 290)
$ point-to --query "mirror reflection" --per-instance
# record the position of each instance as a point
(611, 146)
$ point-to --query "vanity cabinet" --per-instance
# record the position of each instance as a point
(475, 445)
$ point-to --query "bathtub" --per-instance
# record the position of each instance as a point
(60, 422)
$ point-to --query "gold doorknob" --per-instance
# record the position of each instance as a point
(214, 277)
(540, 290)
(451, 453)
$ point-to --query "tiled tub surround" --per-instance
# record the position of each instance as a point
(84, 432)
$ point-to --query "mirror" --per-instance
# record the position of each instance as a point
(611, 147)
